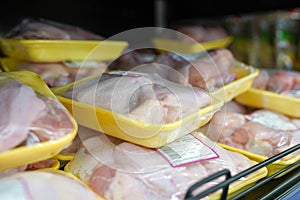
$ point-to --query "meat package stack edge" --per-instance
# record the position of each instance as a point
(122, 163)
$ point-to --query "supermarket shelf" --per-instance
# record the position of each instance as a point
(285, 187)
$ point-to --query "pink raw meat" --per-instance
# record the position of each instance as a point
(131, 94)
(123, 170)
(47, 185)
(30, 28)
(20, 107)
(261, 132)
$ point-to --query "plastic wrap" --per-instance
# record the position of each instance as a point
(277, 90)
(34, 120)
(285, 82)
(48, 185)
(42, 40)
(262, 132)
(138, 107)
(217, 71)
(130, 94)
(57, 74)
(68, 153)
(121, 170)
(193, 37)
(39, 28)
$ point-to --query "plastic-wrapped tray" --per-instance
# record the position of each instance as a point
(273, 167)
(23, 155)
(45, 183)
(81, 166)
(265, 99)
(62, 50)
(233, 188)
(245, 76)
(145, 134)
(181, 47)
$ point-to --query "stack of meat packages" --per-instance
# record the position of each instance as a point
(118, 169)
(62, 72)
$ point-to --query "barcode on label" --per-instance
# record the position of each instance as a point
(186, 150)
(171, 153)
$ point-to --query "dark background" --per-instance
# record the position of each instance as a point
(111, 17)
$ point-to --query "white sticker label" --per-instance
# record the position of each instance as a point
(272, 120)
(186, 150)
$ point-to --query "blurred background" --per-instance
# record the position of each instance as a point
(112, 17)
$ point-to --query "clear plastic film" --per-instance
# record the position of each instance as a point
(32, 118)
(262, 132)
(39, 28)
(284, 82)
(57, 74)
(132, 93)
(45, 184)
(114, 169)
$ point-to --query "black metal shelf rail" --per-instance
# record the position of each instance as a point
(229, 179)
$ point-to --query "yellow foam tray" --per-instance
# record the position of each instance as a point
(273, 167)
(62, 50)
(245, 76)
(10, 64)
(65, 157)
(148, 135)
(269, 100)
(182, 47)
(24, 155)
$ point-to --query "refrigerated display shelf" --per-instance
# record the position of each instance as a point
(272, 187)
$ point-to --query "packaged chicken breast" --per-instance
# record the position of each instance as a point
(35, 125)
(258, 134)
(42, 40)
(193, 37)
(277, 90)
(216, 71)
(138, 107)
(116, 169)
(45, 184)
(57, 74)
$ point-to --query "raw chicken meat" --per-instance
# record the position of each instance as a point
(207, 72)
(62, 73)
(222, 125)
(141, 96)
(21, 108)
(195, 33)
(261, 132)
(261, 81)
(47, 185)
(133, 58)
(48, 163)
(233, 106)
(83, 133)
(203, 33)
(282, 82)
(211, 71)
(12, 171)
(53, 122)
(34, 29)
(28, 117)
(128, 171)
